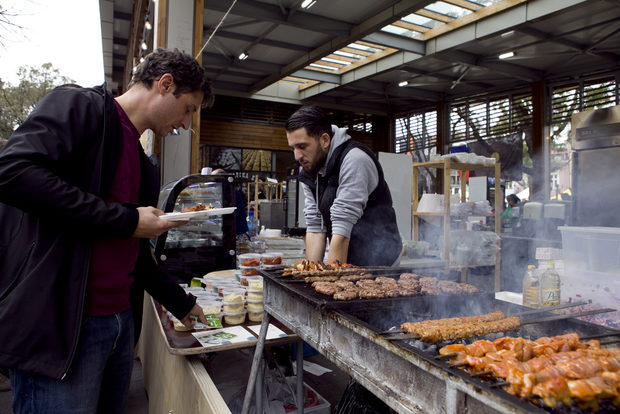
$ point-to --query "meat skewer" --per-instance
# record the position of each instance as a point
(441, 332)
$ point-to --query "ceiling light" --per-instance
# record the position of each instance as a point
(306, 4)
(243, 56)
(506, 55)
(403, 83)
(144, 46)
(147, 25)
(508, 33)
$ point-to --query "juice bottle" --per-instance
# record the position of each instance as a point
(550, 286)
(531, 288)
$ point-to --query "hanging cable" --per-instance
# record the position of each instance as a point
(216, 27)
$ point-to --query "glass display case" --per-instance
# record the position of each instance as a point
(204, 244)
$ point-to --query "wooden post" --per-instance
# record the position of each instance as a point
(194, 164)
(498, 224)
(414, 203)
(446, 207)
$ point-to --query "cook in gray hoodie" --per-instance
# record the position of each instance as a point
(347, 198)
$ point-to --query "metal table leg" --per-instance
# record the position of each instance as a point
(256, 362)
(300, 376)
(259, 388)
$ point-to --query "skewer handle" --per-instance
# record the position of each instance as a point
(482, 373)
(446, 356)
(603, 335)
(402, 337)
(552, 308)
(573, 315)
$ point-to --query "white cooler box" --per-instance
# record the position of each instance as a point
(592, 270)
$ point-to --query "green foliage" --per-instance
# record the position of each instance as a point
(16, 102)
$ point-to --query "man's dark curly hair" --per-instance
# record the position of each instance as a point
(312, 118)
(188, 75)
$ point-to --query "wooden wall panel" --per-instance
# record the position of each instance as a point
(244, 135)
(234, 134)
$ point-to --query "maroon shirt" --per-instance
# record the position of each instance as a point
(113, 260)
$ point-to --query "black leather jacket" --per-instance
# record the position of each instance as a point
(55, 171)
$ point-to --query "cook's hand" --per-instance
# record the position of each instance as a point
(150, 225)
(196, 311)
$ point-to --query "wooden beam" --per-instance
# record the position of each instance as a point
(472, 17)
(444, 18)
(140, 8)
(411, 26)
(538, 137)
(194, 167)
(376, 56)
(161, 29)
(162, 23)
(465, 4)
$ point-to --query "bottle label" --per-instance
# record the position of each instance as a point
(550, 297)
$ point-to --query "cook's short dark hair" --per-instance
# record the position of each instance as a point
(312, 118)
(189, 76)
(513, 198)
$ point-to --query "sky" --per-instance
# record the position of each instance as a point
(65, 33)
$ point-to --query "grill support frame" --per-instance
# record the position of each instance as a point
(379, 365)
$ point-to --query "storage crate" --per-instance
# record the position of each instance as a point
(592, 248)
(592, 270)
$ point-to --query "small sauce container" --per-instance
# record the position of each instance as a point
(271, 258)
(249, 270)
(249, 259)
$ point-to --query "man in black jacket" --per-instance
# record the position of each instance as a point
(76, 216)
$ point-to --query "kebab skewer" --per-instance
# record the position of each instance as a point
(557, 368)
(444, 332)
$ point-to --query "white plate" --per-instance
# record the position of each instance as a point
(198, 214)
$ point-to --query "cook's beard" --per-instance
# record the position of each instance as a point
(321, 158)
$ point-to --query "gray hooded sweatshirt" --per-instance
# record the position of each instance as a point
(358, 179)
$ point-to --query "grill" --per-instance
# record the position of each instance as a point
(405, 373)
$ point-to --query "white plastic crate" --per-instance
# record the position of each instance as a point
(592, 248)
(592, 269)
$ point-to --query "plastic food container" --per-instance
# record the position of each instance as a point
(218, 287)
(255, 316)
(249, 270)
(233, 294)
(234, 318)
(233, 307)
(255, 306)
(249, 259)
(245, 280)
(271, 258)
(255, 283)
(255, 295)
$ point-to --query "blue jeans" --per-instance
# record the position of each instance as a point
(98, 378)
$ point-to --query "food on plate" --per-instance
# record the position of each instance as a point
(197, 207)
